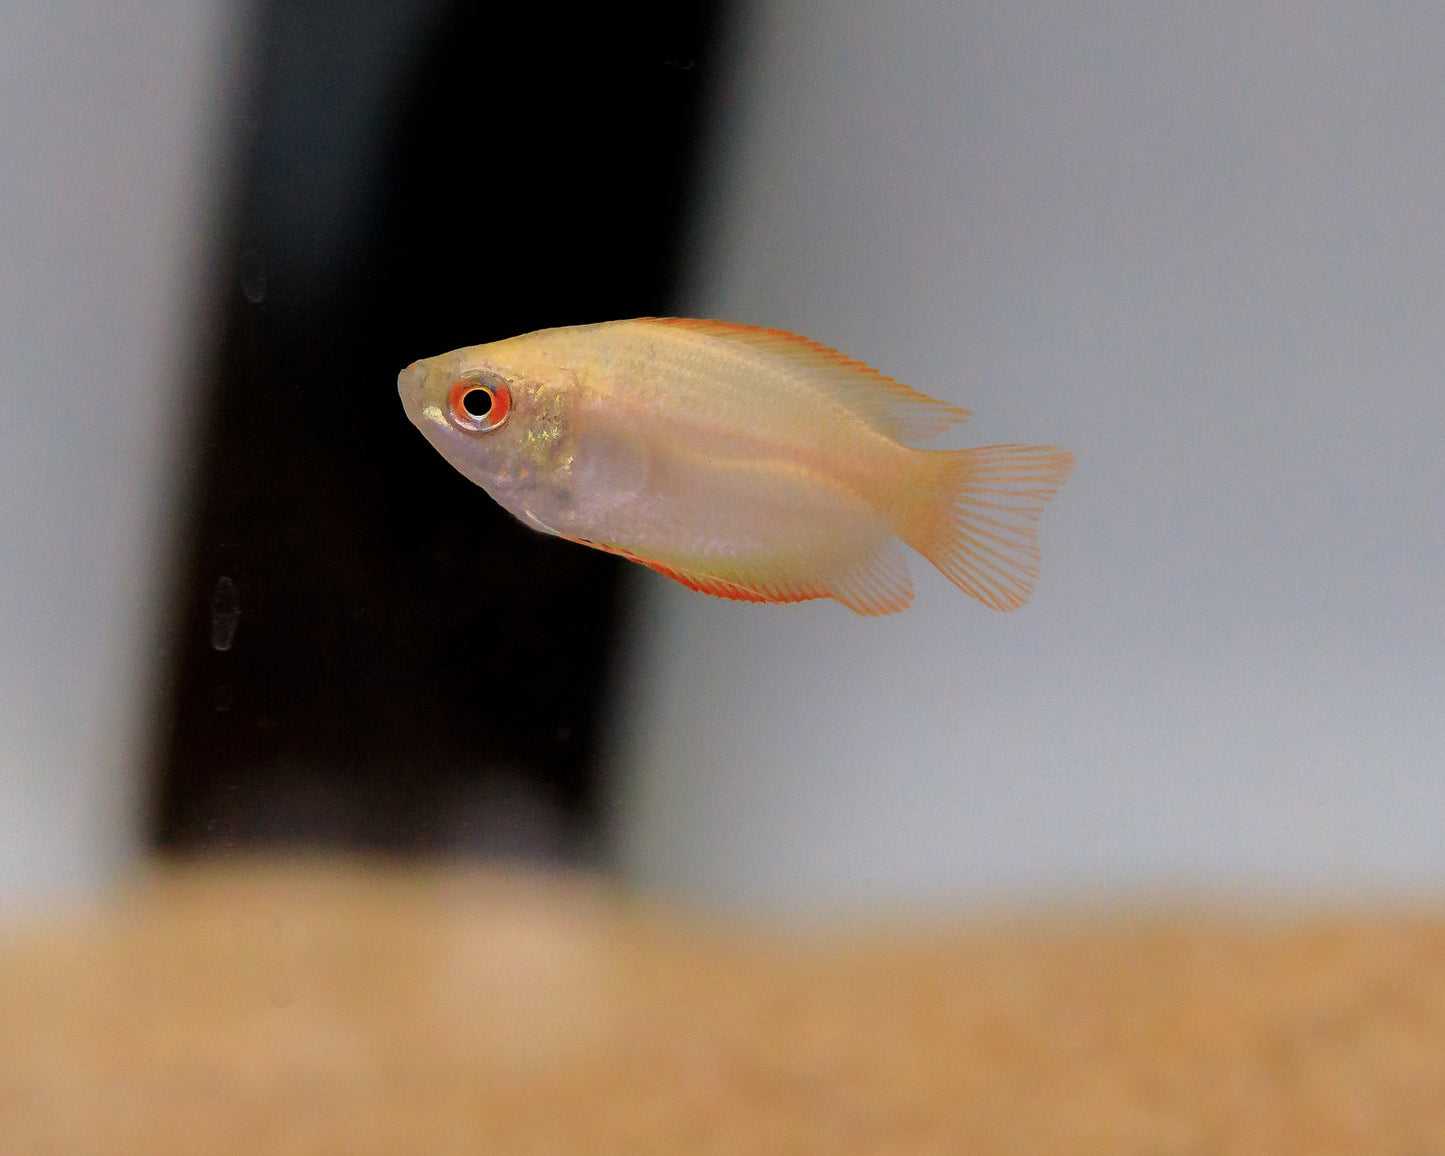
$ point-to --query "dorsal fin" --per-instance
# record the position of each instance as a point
(890, 407)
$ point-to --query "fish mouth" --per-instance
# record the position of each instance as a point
(409, 382)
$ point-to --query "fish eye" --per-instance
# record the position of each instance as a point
(478, 405)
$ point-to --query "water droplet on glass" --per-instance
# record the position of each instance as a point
(225, 614)
(252, 277)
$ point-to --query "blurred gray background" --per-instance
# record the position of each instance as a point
(1202, 246)
(113, 177)
(1199, 246)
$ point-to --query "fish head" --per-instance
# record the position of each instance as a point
(499, 416)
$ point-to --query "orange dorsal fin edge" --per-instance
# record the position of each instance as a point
(893, 409)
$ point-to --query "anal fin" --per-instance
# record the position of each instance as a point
(726, 588)
(879, 584)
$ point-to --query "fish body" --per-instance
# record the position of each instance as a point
(747, 463)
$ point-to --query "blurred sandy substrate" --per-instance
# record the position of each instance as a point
(346, 1008)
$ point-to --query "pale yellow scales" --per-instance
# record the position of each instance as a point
(743, 462)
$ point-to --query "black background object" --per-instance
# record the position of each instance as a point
(405, 667)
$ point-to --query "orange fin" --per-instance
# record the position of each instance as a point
(880, 584)
(890, 407)
(725, 588)
(984, 535)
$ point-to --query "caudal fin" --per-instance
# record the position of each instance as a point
(984, 532)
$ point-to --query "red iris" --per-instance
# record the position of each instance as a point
(478, 405)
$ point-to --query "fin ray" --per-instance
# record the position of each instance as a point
(880, 584)
(984, 535)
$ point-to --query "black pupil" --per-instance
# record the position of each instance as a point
(477, 402)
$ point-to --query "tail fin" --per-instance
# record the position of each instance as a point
(984, 530)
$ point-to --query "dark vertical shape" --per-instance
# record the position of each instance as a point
(405, 666)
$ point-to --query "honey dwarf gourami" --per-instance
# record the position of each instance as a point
(748, 463)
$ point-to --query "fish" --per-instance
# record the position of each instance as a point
(743, 462)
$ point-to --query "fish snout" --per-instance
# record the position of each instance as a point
(409, 384)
